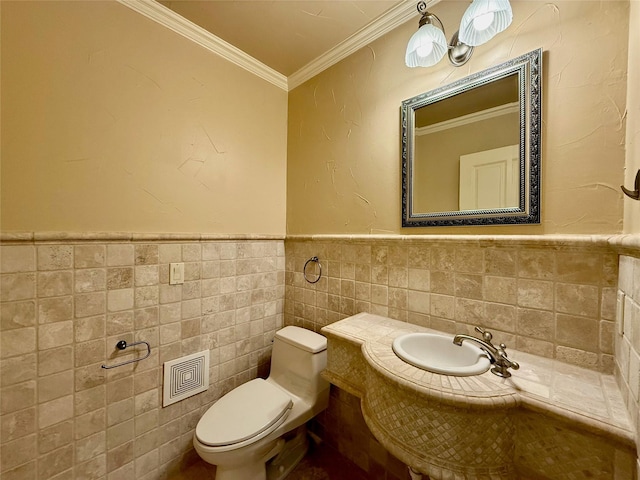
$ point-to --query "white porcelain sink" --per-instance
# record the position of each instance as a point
(438, 354)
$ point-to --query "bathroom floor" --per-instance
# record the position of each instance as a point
(321, 463)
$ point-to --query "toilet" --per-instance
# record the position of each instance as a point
(264, 420)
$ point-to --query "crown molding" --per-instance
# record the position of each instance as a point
(480, 116)
(168, 18)
(382, 25)
(386, 22)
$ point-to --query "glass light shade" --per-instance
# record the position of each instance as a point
(426, 47)
(483, 20)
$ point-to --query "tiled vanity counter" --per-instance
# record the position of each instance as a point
(549, 420)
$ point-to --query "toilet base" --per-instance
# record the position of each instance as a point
(293, 451)
(251, 470)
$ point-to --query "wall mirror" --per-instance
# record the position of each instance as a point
(471, 149)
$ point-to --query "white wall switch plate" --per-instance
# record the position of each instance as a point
(176, 273)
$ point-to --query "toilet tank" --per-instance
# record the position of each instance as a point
(298, 358)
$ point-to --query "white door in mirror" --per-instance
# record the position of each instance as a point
(490, 179)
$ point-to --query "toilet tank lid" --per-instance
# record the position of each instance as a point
(302, 338)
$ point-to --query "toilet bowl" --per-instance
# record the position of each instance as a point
(263, 419)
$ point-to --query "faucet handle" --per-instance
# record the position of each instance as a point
(486, 335)
(503, 354)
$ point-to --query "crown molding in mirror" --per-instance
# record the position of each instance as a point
(391, 19)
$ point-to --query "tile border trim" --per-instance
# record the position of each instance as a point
(624, 244)
(120, 237)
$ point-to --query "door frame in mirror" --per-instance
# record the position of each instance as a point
(528, 67)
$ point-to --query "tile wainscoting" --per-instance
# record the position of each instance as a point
(627, 336)
(67, 300)
(553, 296)
(550, 296)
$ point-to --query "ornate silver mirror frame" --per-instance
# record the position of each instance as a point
(527, 70)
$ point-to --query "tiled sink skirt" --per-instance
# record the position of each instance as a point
(550, 420)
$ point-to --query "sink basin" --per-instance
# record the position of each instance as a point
(438, 354)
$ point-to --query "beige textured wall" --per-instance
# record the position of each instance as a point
(111, 122)
(632, 207)
(344, 149)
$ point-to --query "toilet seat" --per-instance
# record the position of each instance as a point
(249, 412)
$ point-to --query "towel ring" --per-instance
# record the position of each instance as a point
(304, 270)
(121, 345)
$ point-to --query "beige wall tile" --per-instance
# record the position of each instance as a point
(118, 300)
(55, 257)
(119, 278)
(94, 468)
(54, 411)
(18, 452)
(469, 260)
(120, 255)
(119, 456)
(443, 258)
(576, 356)
(93, 351)
(17, 424)
(90, 280)
(536, 263)
(17, 314)
(501, 317)
(578, 267)
(500, 289)
(90, 304)
(535, 294)
(468, 286)
(90, 328)
(500, 262)
(17, 258)
(17, 342)
(55, 386)
(90, 399)
(89, 256)
(58, 309)
(471, 310)
(577, 299)
(17, 286)
(54, 335)
(419, 279)
(55, 436)
(55, 462)
(18, 396)
(55, 360)
(578, 332)
(419, 301)
(18, 369)
(90, 423)
(442, 282)
(146, 254)
(53, 284)
(538, 324)
(119, 412)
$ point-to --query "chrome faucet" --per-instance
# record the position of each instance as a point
(497, 355)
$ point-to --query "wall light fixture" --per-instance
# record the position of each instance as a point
(482, 21)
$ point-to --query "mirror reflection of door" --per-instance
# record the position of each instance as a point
(484, 118)
(490, 179)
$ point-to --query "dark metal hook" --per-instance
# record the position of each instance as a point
(635, 194)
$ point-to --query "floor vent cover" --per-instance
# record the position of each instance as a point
(184, 377)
